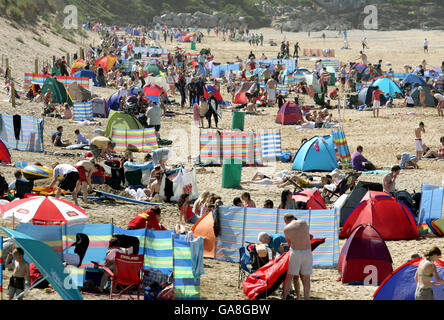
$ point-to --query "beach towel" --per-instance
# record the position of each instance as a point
(376, 172)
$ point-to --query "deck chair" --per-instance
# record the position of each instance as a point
(22, 188)
(244, 270)
(345, 184)
(126, 274)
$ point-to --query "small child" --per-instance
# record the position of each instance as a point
(248, 203)
(20, 274)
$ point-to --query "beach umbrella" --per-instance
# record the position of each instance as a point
(44, 211)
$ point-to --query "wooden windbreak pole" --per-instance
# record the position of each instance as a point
(12, 94)
(36, 66)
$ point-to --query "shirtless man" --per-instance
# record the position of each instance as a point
(301, 258)
(155, 186)
(363, 57)
(423, 276)
(418, 140)
(389, 180)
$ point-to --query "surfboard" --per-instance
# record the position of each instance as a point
(127, 199)
(34, 172)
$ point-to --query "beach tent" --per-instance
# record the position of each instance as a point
(354, 198)
(412, 79)
(365, 96)
(401, 285)
(121, 120)
(188, 36)
(429, 99)
(365, 247)
(79, 93)
(316, 154)
(5, 156)
(58, 90)
(289, 113)
(241, 97)
(153, 69)
(153, 91)
(184, 182)
(87, 74)
(390, 217)
(99, 108)
(312, 199)
(360, 67)
(114, 102)
(106, 62)
(366, 75)
(387, 85)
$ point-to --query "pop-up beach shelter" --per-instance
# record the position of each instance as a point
(317, 154)
(390, 217)
(312, 198)
(5, 156)
(401, 285)
(289, 113)
(387, 85)
(121, 120)
(58, 90)
(365, 247)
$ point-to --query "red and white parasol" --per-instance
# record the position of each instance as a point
(44, 211)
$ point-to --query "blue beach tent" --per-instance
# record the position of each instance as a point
(317, 154)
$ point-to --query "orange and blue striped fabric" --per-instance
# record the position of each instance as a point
(139, 140)
(32, 78)
(240, 225)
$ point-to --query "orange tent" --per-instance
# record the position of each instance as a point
(204, 228)
(106, 62)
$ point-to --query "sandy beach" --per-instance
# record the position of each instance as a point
(382, 138)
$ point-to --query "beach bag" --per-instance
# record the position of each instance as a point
(286, 157)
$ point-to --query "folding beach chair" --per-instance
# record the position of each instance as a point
(126, 273)
(244, 260)
(343, 186)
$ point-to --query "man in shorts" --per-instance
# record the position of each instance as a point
(440, 105)
(418, 140)
(301, 258)
(69, 181)
(101, 145)
(85, 168)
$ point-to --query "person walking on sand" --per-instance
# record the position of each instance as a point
(301, 258)
(418, 140)
(440, 105)
(426, 46)
(364, 44)
(423, 276)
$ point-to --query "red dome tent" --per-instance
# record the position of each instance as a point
(365, 247)
(391, 218)
(5, 156)
(312, 198)
(289, 113)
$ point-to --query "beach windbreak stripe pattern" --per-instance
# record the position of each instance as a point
(343, 152)
(1, 267)
(249, 148)
(331, 63)
(139, 140)
(241, 225)
(319, 53)
(220, 71)
(186, 287)
(82, 111)
(32, 78)
(31, 133)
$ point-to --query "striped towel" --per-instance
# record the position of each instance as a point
(139, 140)
(82, 111)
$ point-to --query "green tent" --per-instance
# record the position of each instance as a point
(153, 68)
(121, 120)
(59, 91)
(313, 81)
(429, 100)
(56, 71)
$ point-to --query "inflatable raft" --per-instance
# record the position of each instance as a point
(34, 172)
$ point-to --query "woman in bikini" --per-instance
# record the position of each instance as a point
(423, 276)
(287, 202)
